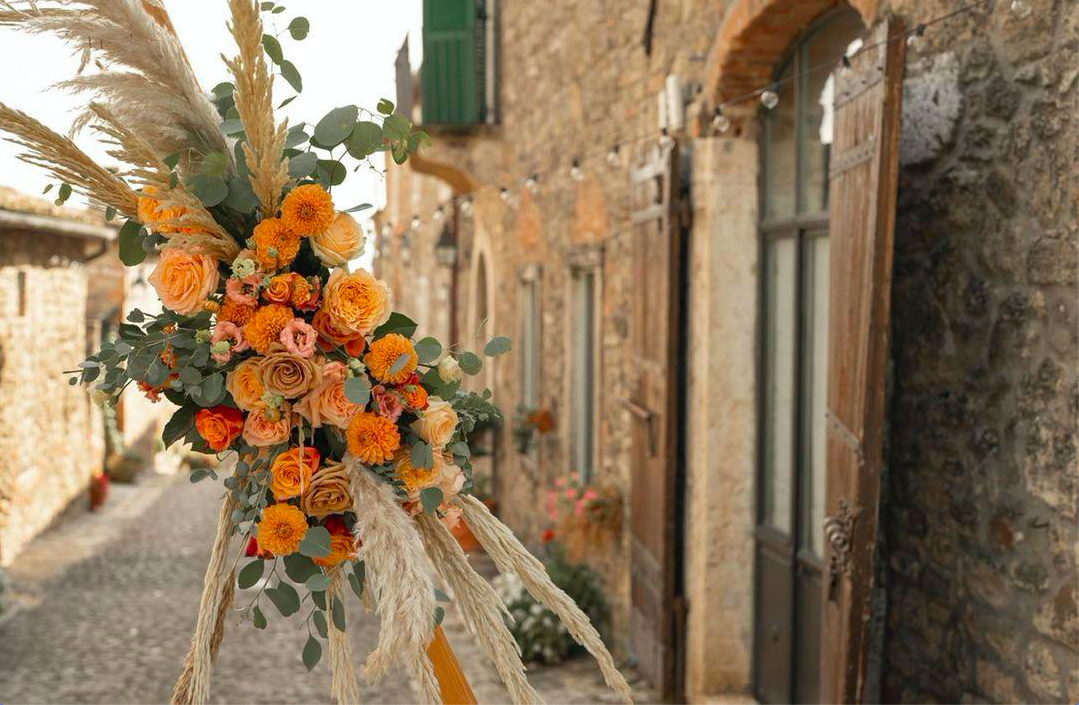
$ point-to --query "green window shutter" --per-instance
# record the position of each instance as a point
(452, 76)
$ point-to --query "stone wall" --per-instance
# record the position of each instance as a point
(980, 510)
(45, 424)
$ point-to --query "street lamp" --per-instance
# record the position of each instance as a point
(446, 247)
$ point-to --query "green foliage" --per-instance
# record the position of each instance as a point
(250, 574)
(336, 126)
(312, 652)
(397, 323)
(299, 28)
(499, 345)
(130, 236)
(316, 542)
(470, 362)
(428, 350)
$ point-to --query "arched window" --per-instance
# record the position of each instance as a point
(796, 138)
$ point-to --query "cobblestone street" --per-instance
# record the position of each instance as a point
(104, 605)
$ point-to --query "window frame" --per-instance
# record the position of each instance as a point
(585, 261)
(530, 276)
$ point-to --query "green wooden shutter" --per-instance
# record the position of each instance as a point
(452, 76)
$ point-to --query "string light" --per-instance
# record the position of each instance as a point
(438, 215)
(1021, 9)
(416, 222)
(914, 40)
(387, 230)
(721, 122)
(768, 97)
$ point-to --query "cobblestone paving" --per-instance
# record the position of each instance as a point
(105, 605)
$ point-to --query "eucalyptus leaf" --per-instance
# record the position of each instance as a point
(250, 574)
(130, 236)
(302, 165)
(331, 172)
(290, 73)
(365, 139)
(337, 611)
(421, 455)
(397, 323)
(299, 568)
(316, 542)
(299, 28)
(318, 582)
(398, 364)
(499, 345)
(427, 350)
(273, 48)
(335, 127)
(430, 498)
(258, 619)
(211, 190)
(318, 618)
(358, 390)
(384, 106)
(470, 363)
(312, 652)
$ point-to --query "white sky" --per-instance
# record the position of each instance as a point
(346, 59)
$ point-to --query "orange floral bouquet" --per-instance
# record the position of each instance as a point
(347, 435)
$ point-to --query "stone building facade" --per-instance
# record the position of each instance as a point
(50, 432)
(975, 567)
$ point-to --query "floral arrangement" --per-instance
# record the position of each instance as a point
(346, 437)
(582, 516)
(539, 634)
(527, 424)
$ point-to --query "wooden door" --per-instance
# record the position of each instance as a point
(863, 197)
(654, 351)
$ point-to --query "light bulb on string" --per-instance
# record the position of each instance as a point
(415, 222)
(466, 206)
(1021, 9)
(769, 98)
(438, 215)
(504, 194)
(387, 230)
(614, 156)
(721, 122)
(914, 39)
(665, 140)
(532, 183)
(575, 171)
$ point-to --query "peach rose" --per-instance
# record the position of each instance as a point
(279, 290)
(339, 243)
(244, 383)
(268, 427)
(327, 404)
(183, 281)
(356, 302)
(328, 493)
(437, 423)
(291, 473)
(287, 374)
(299, 338)
(330, 336)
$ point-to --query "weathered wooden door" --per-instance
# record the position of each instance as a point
(863, 193)
(656, 244)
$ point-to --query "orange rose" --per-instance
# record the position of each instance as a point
(183, 281)
(357, 301)
(268, 427)
(219, 426)
(289, 375)
(330, 336)
(291, 473)
(279, 290)
(342, 543)
(437, 423)
(414, 394)
(327, 403)
(244, 383)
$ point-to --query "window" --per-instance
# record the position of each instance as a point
(795, 149)
(20, 283)
(458, 73)
(529, 302)
(583, 333)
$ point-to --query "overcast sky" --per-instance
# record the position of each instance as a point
(346, 59)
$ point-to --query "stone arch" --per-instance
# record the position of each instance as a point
(755, 34)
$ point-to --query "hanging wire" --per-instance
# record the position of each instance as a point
(1020, 8)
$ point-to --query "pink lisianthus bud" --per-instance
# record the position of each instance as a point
(388, 404)
(299, 338)
(230, 333)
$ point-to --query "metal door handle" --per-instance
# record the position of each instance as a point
(648, 417)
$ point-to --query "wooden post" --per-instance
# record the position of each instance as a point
(452, 683)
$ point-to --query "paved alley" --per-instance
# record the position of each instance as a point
(105, 604)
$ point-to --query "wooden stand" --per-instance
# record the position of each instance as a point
(452, 683)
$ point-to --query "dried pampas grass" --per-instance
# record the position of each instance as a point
(482, 610)
(511, 557)
(254, 101)
(199, 231)
(343, 685)
(145, 78)
(59, 156)
(397, 573)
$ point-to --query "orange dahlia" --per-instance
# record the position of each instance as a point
(412, 477)
(264, 328)
(372, 438)
(307, 210)
(235, 312)
(383, 359)
(280, 529)
(275, 245)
